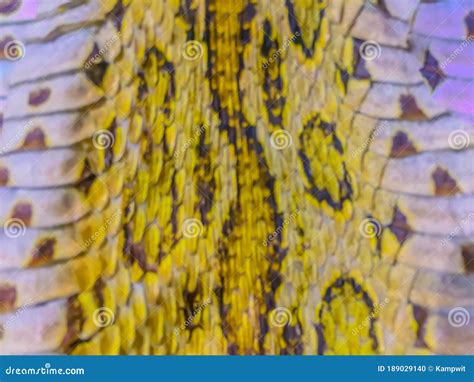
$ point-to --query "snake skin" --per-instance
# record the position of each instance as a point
(236, 177)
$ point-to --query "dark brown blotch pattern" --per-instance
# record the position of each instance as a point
(444, 183)
(37, 97)
(23, 212)
(402, 146)
(399, 226)
(4, 176)
(431, 71)
(7, 7)
(409, 109)
(35, 139)
(467, 252)
(43, 253)
(8, 297)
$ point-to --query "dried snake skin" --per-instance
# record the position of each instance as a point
(236, 177)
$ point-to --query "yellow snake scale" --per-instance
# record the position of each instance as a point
(236, 177)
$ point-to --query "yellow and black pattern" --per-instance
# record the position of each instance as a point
(236, 177)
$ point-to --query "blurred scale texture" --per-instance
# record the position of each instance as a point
(236, 177)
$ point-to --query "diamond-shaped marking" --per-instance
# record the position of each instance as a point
(431, 71)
